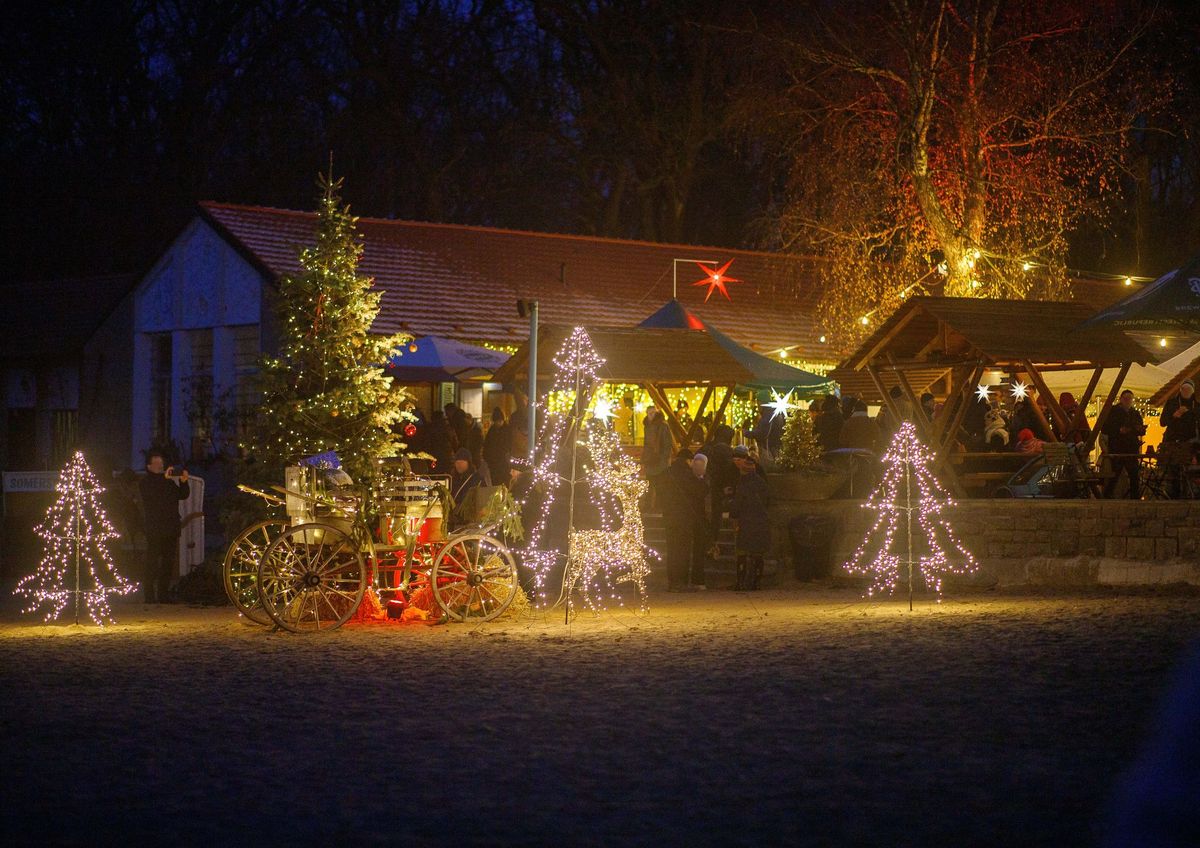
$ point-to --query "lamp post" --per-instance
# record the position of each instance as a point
(530, 308)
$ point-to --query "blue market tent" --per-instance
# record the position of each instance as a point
(439, 360)
(768, 373)
(1170, 304)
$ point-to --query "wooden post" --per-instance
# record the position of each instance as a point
(1107, 408)
(696, 418)
(720, 411)
(923, 423)
(660, 400)
(1051, 402)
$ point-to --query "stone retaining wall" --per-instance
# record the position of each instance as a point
(1039, 542)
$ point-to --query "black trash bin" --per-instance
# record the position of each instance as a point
(812, 545)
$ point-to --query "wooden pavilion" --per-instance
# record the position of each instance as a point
(656, 359)
(945, 346)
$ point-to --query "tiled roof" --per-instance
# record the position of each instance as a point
(52, 319)
(463, 282)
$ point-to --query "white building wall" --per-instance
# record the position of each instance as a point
(200, 282)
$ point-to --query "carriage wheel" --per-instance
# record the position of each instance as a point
(240, 570)
(312, 578)
(474, 578)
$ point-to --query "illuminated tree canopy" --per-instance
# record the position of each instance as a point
(952, 147)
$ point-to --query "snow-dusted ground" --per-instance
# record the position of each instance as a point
(798, 717)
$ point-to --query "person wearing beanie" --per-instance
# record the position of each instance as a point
(1027, 442)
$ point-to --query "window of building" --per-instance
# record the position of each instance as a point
(160, 388)
(246, 350)
(198, 393)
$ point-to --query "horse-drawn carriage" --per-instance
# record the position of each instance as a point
(312, 569)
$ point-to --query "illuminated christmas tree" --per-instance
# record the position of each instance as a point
(76, 563)
(575, 377)
(327, 389)
(799, 448)
(895, 550)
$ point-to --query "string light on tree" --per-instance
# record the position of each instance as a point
(909, 492)
(76, 533)
(327, 390)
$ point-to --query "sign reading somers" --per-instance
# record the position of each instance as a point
(29, 481)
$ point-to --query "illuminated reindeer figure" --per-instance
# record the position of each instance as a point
(616, 554)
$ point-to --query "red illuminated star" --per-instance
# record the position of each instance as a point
(715, 279)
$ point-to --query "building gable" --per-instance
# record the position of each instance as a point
(201, 281)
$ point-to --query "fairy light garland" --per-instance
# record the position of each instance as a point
(76, 533)
(576, 365)
(909, 490)
(599, 560)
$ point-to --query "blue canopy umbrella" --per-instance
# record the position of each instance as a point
(439, 360)
(1170, 303)
(768, 373)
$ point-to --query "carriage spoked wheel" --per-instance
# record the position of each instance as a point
(240, 571)
(312, 578)
(474, 578)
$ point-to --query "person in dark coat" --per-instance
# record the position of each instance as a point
(749, 508)
(497, 447)
(161, 493)
(1180, 419)
(439, 442)
(472, 438)
(463, 478)
(683, 496)
(656, 453)
(829, 424)
(1124, 429)
(722, 473)
(860, 431)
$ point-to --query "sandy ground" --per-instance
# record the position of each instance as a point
(797, 717)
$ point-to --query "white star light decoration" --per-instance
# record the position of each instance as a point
(602, 410)
(781, 405)
(1019, 390)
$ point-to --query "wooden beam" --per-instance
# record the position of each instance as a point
(900, 325)
(949, 434)
(1089, 391)
(660, 400)
(696, 417)
(923, 423)
(720, 411)
(1051, 402)
(888, 400)
(1108, 404)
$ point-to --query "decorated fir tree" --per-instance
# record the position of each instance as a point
(327, 390)
(76, 565)
(799, 448)
(911, 534)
